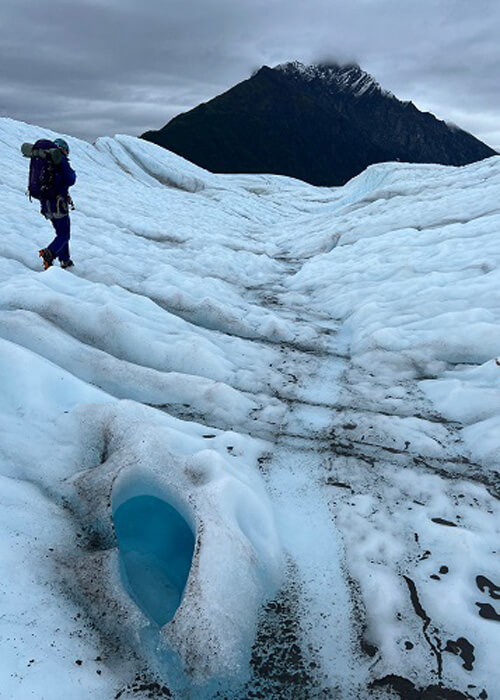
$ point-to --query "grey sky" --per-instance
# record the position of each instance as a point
(100, 67)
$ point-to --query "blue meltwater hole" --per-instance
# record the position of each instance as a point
(156, 549)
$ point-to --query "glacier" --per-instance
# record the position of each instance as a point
(250, 444)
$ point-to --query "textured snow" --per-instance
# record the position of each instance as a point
(306, 375)
(348, 77)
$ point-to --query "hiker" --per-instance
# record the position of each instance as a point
(50, 178)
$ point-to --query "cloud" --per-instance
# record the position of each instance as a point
(104, 66)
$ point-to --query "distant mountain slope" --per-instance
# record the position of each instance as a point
(323, 124)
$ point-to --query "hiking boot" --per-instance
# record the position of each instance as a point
(67, 263)
(47, 256)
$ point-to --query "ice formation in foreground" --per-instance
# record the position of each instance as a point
(251, 444)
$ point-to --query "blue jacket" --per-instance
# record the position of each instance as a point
(65, 178)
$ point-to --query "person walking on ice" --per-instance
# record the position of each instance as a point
(50, 178)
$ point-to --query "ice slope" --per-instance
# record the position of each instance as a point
(302, 378)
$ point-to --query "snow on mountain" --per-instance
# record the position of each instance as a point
(250, 444)
(348, 78)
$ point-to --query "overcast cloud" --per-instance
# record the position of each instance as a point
(100, 67)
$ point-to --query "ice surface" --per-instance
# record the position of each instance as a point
(299, 381)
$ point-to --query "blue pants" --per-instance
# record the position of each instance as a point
(60, 245)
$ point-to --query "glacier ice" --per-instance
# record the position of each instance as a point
(156, 549)
(276, 367)
(186, 541)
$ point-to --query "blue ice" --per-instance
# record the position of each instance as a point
(156, 549)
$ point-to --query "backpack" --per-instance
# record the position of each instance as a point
(45, 159)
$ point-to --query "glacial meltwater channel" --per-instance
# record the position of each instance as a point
(156, 549)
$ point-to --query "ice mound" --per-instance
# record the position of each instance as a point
(186, 550)
(160, 168)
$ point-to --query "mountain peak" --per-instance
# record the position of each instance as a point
(322, 123)
(347, 77)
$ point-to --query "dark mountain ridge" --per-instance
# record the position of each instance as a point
(323, 124)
